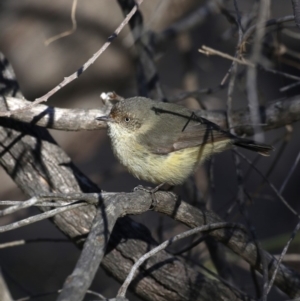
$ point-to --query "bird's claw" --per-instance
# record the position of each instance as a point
(151, 191)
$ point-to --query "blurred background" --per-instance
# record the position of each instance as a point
(41, 267)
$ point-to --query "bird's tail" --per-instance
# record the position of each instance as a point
(260, 148)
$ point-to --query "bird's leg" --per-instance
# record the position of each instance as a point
(151, 191)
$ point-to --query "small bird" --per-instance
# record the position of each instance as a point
(164, 142)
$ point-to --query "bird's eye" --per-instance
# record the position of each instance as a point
(127, 119)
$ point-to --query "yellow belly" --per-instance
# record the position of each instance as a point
(173, 168)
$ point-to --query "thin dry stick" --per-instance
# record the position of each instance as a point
(234, 69)
(270, 184)
(39, 217)
(165, 244)
(282, 256)
(290, 33)
(20, 206)
(76, 74)
(210, 51)
(238, 16)
(12, 244)
(68, 32)
(91, 198)
(22, 242)
(290, 173)
(270, 22)
(240, 198)
(251, 78)
(288, 87)
(291, 257)
(42, 204)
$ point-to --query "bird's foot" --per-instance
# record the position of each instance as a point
(151, 191)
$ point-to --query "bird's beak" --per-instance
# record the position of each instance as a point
(105, 118)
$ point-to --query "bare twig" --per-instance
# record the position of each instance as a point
(291, 171)
(290, 33)
(39, 217)
(22, 205)
(68, 32)
(282, 256)
(240, 196)
(234, 69)
(239, 173)
(91, 198)
(268, 23)
(291, 257)
(210, 51)
(271, 185)
(251, 80)
(42, 204)
(22, 242)
(285, 138)
(76, 74)
(238, 16)
(288, 87)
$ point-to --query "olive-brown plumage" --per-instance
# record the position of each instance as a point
(163, 142)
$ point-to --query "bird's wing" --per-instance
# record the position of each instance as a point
(189, 132)
(200, 133)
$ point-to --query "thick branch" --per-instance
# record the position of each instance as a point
(95, 245)
(54, 118)
(273, 116)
